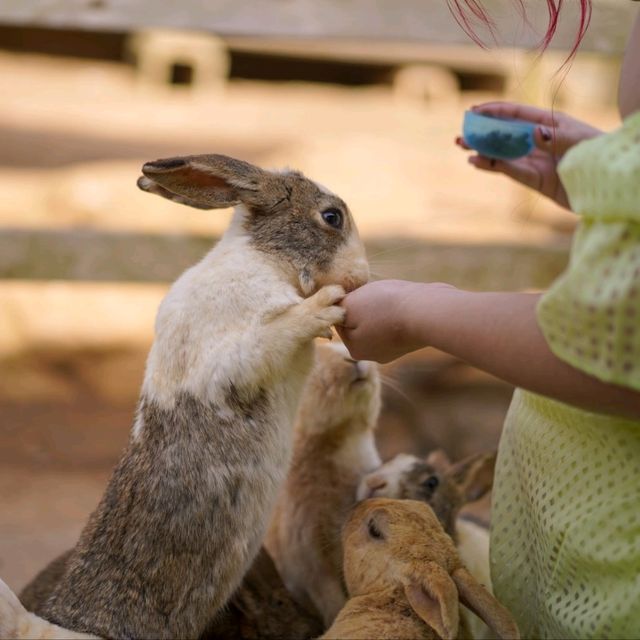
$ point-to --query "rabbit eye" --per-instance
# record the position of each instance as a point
(431, 482)
(333, 217)
(374, 532)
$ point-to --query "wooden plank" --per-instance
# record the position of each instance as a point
(97, 256)
(102, 256)
(408, 20)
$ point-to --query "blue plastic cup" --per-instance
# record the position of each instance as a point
(499, 138)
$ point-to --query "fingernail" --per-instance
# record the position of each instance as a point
(545, 133)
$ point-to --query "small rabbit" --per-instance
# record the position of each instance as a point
(187, 506)
(445, 487)
(405, 579)
(333, 447)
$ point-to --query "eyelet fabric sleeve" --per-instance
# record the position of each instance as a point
(591, 315)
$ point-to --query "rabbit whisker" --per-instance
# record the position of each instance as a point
(394, 385)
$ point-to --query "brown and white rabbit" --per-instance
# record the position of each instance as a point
(333, 448)
(444, 486)
(406, 580)
(188, 504)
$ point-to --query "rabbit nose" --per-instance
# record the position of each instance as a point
(363, 367)
(360, 368)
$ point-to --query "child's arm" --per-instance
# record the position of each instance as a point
(496, 332)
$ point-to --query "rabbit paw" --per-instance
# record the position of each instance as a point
(321, 311)
(11, 612)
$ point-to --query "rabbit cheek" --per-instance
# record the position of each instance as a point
(299, 243)
(349, 266)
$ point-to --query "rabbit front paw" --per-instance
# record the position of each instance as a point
(321, 311)
(12, 613)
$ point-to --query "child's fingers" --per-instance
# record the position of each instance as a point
(518, 111)
(517, 170)
(462, 144)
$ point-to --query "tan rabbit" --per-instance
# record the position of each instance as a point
(405, 579)
(187, 506)
(333, 448)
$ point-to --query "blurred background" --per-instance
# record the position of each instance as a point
(365, 97)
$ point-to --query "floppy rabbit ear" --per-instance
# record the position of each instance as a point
(206, 181)
(148, 185)
(474, 596)
(474, 475)
(434, 597)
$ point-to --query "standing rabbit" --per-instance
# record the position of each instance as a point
(187, 506)
(405, 578)
(333, 448)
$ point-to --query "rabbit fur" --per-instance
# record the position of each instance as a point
(263, 609)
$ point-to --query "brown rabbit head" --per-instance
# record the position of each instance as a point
(339, 391)
(402, 543)
(302, 226)
(444, 486)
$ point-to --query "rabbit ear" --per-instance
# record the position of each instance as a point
(206, 181)
(474, 596)
(439, 460)
(474, 475)
(434, 597)
(145, 184)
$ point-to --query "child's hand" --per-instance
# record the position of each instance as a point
(384, 320)
(538, 170)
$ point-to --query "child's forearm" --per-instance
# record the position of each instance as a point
(499, 333)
